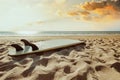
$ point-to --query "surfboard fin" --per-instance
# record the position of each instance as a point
(27, 43)
(17, 47)
(34, 47)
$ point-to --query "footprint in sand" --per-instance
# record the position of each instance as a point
(108, 73)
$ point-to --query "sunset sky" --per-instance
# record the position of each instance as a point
(59, 15)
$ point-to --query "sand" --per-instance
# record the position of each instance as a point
(98, 60)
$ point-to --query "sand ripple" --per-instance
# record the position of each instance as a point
(98, 60)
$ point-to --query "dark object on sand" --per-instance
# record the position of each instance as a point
(116, 66)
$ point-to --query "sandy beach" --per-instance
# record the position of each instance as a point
(98, 60)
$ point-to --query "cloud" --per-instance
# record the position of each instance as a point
(96, 10)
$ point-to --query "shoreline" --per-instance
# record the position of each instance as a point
(66, 36)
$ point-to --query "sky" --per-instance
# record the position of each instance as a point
(59, 15)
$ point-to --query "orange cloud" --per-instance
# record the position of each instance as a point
(97, 10)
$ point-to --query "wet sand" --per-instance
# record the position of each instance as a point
(98, 60)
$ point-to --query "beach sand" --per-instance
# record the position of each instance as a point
(98, 60)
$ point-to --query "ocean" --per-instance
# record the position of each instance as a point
(58, 33)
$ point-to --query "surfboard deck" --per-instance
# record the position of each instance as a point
(44, 46)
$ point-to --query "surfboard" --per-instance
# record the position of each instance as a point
(44, 46)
